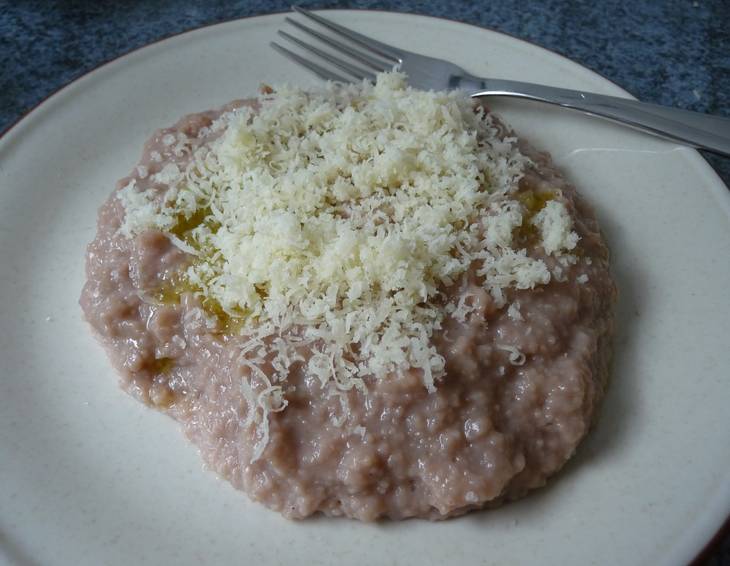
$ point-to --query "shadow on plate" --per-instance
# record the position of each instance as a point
(13, 553)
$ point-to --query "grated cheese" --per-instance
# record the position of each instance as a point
(142, 211)
(514, 311)
(334, 218)
(463, 308)
(516, 358)
(555, 225)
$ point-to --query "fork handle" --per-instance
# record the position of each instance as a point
(699, 130)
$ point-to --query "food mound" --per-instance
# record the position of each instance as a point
(360, 300)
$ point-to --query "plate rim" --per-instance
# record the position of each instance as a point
(719, 187)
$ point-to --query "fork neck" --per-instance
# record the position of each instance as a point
(467, 82)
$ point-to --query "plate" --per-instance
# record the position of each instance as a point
(89, 476)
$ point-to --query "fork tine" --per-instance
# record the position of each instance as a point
(321, 72)
(382, 49)
(337, 62)
(364, 58)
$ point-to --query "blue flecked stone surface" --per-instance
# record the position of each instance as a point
(674, 52)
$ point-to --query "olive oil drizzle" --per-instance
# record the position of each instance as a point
(171, 292)
(533, 202)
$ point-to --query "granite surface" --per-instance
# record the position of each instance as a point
(674, 52)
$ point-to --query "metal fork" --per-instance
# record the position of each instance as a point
(359, 57)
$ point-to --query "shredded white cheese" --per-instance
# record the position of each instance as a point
(142, 210)
(516, 358)
(514, 312)
(465, 306)
(334, 218)
(555, 227)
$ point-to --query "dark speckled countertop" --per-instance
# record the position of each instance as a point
(674, 52)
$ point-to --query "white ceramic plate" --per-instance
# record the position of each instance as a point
(89, 476)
